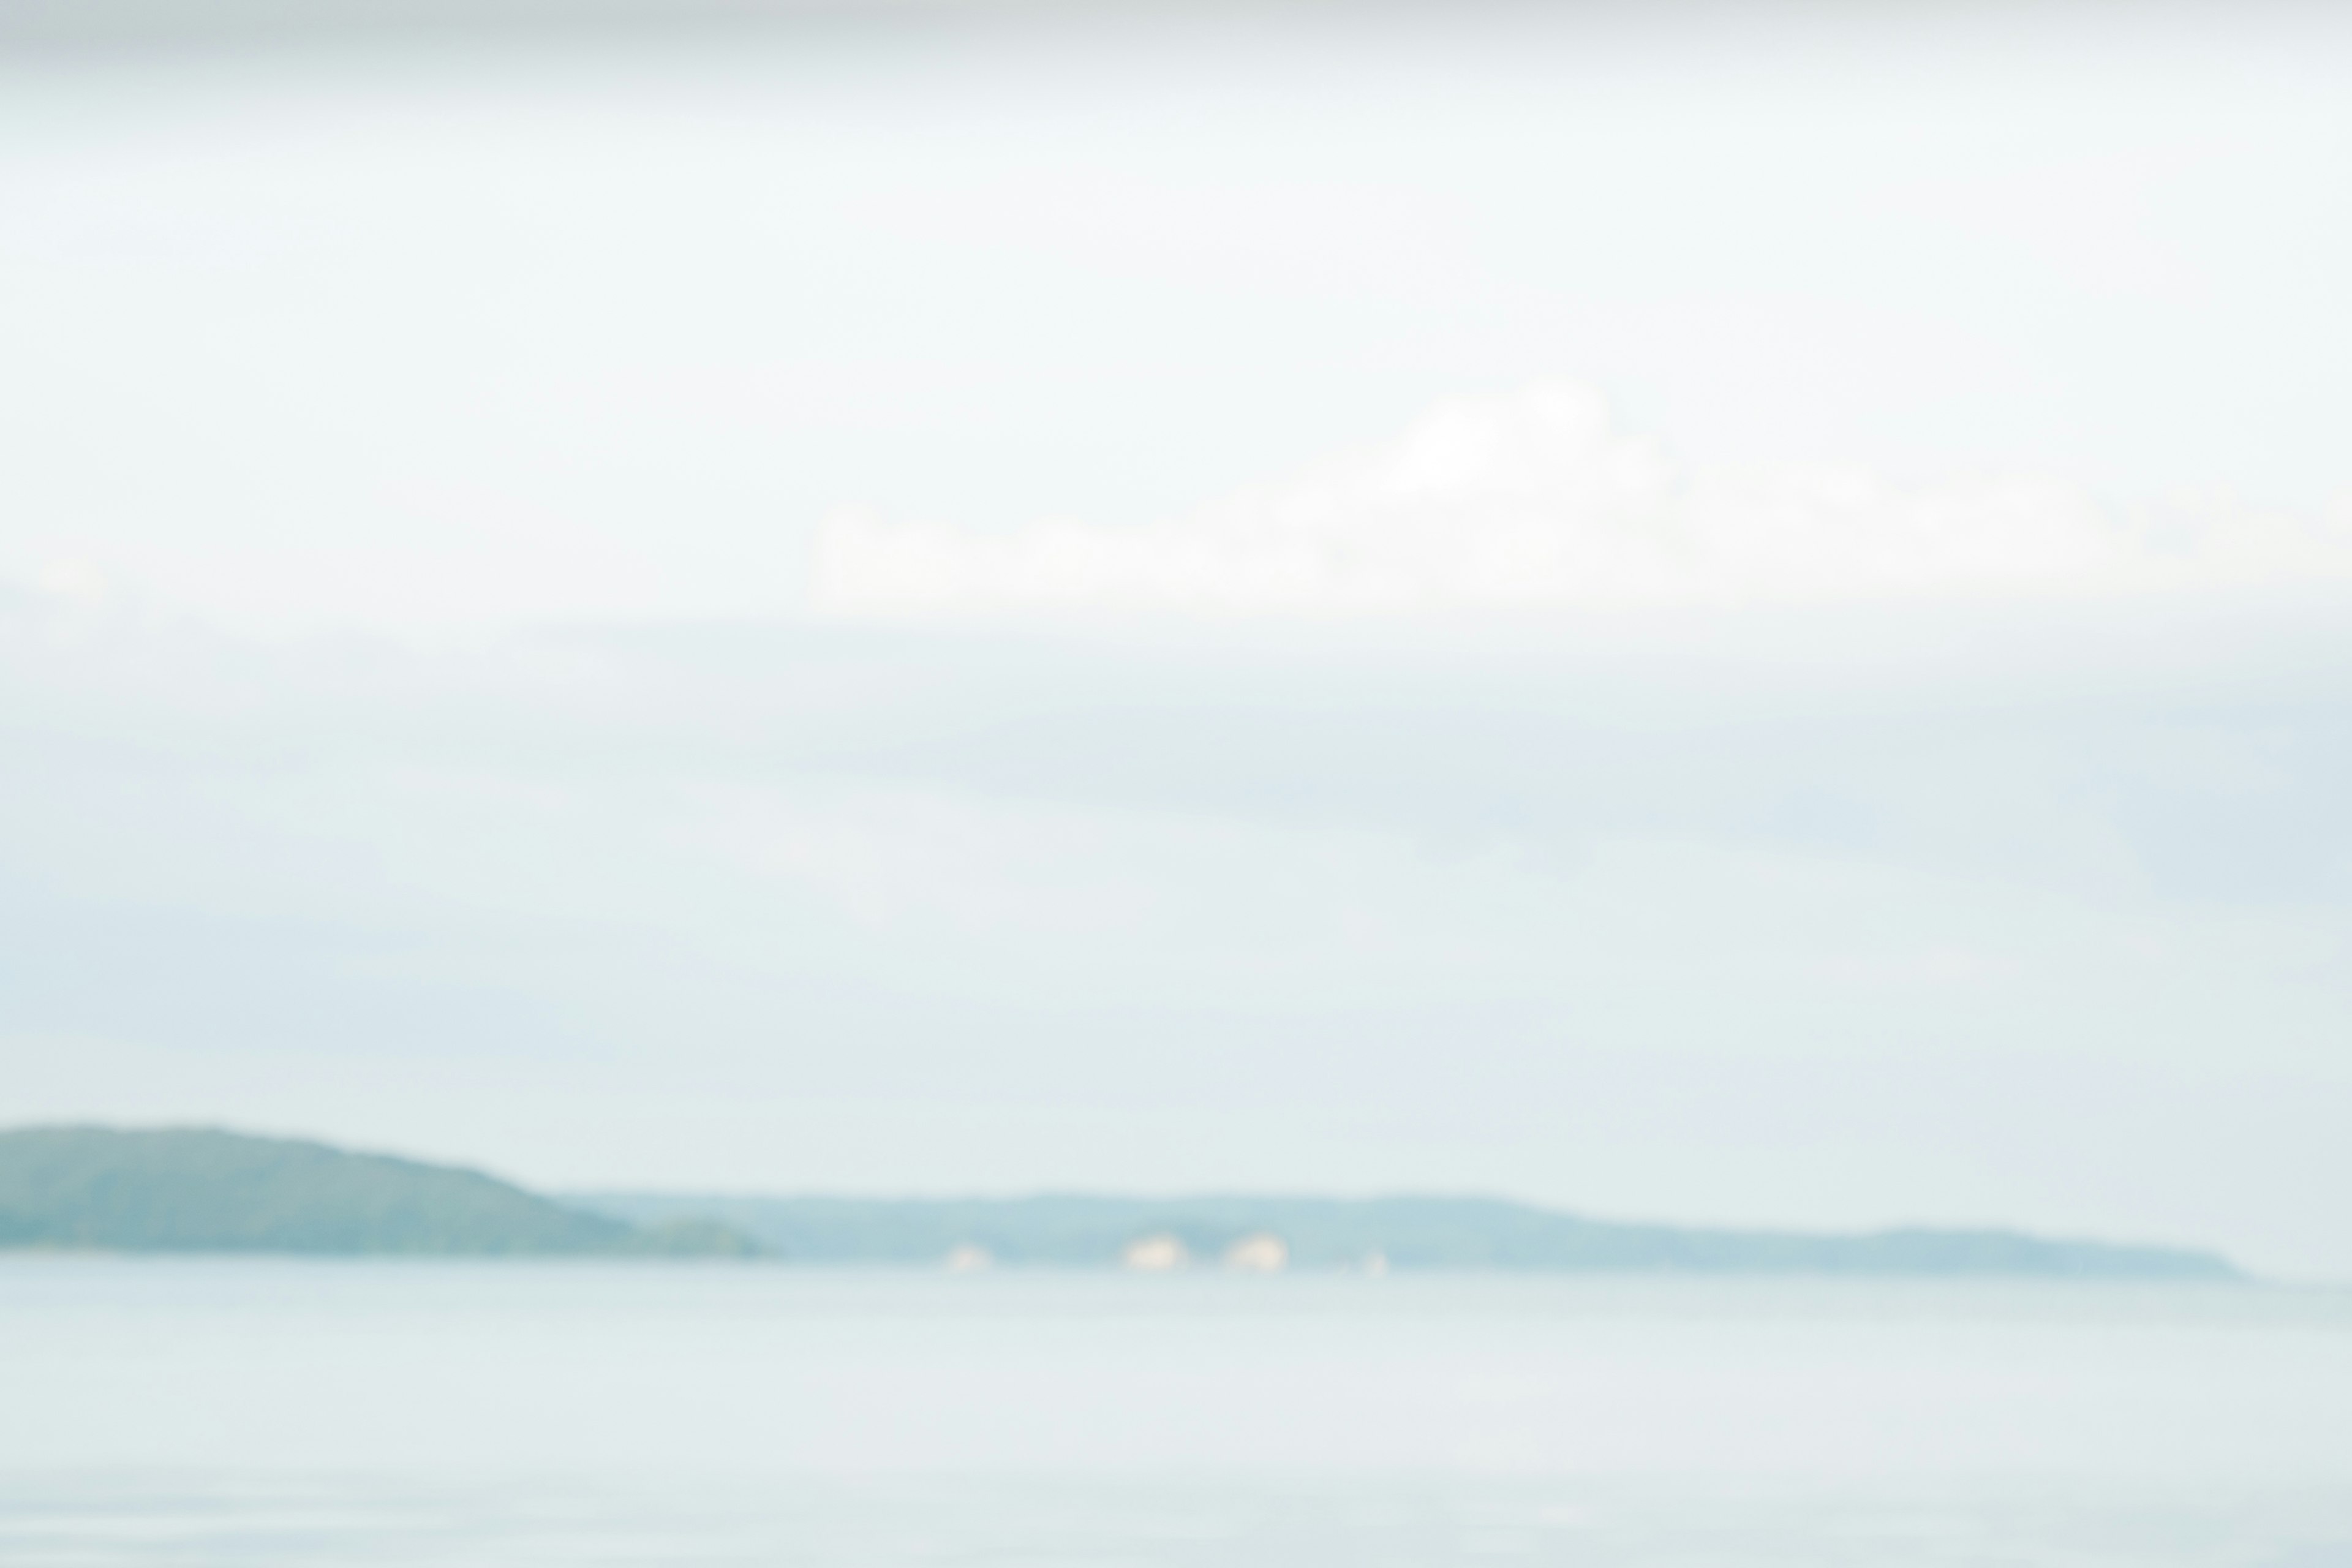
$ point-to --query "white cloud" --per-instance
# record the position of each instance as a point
(1536, 501)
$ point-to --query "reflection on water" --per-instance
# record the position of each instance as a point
(267, 1412)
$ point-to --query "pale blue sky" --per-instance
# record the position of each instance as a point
(419, 729)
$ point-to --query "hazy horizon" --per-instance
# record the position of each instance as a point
(1739, 623)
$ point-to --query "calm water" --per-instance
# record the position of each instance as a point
(381, 1413)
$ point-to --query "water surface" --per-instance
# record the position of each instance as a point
(262, 1412)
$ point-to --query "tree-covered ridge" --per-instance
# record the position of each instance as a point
(203, 1190)
(1423, 1232)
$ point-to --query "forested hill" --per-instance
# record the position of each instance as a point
(201, 1190)
(1402, 1232)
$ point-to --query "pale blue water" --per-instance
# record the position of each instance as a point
(221, 1412)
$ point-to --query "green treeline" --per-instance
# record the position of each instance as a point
(1406, 1232)
(201, 1190)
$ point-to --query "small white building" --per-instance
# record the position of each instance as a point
(1262, 1253)
(968, 1257)
(1156, 1254)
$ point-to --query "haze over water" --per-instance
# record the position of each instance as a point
(1738, 616)
(397, 1413)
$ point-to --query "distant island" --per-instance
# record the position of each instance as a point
(205, 1190)
(1403, 1233)
(201, 1190)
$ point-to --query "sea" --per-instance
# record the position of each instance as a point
(183, 1410)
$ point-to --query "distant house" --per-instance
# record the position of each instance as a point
(1261, 1252)
(1156, 1254)
(968, 1257)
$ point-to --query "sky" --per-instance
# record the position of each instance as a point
(1721, 616)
